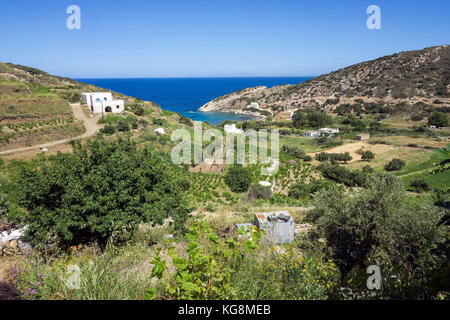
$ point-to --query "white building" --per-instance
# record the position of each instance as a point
(231, 128)
(328, 131)
(253, 105)
(160, 131)
(103, 102)
(311, 134)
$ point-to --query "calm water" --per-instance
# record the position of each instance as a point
(187, 95)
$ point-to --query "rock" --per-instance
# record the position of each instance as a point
(13, 243)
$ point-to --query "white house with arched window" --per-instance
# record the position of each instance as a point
(103, 102)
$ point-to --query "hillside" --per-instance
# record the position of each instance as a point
(35, 108)
(397, 82)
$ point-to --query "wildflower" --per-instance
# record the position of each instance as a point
(33, 291)
(37, 284)
(15, 270)
(15, 275)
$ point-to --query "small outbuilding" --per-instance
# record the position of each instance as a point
(160, 131)
(362, 137)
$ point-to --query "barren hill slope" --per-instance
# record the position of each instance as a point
(399, 79)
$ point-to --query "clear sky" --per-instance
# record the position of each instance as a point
(184, 38)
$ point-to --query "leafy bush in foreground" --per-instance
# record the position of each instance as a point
(380, 226)
(103, 189)
(206, 269)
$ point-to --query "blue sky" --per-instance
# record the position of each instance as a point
(189, 38)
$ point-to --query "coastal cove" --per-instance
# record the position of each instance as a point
(187, 95)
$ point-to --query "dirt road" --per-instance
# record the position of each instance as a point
(89, 123)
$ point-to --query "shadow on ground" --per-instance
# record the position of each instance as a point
(8, 292)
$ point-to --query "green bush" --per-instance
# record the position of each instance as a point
(367, 155)
(367, 169)
(238, 178)
(395, 165)
(109, 129)
(420, 185)
(258, 191)
(312, 119)
(380, 226)
(136, 108)
(302, 190)
(123, 125)
(416, 117)
(343, 175)
(293, 151)
(103, 189)
(438, 119)
(204, 271)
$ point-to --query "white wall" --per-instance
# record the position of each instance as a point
(97, 100)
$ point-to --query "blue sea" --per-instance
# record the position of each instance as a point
(187, 95)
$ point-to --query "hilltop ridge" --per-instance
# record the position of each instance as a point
(391, 81)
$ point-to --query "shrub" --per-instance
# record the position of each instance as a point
(136, 108)
(109, 129)
(286, 276)
(204, 271)
(293, 151)
(380, 226)
(122, 125)
(343, 175)
(395, 165)
(258, 191)
(303, 190)
(238, 178)
(103, 189)
(367, 155)
(416, 117)
(438, 119)
(420, 185)
(333, 157)
(367, 169)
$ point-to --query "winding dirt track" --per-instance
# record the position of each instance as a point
(89, 123)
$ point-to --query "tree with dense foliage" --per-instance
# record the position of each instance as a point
(438, 119)
(357, 123)
(367, 155)
(102, 190)
(381, 226)
(238, 178)
(395, 165)
(313, 119)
